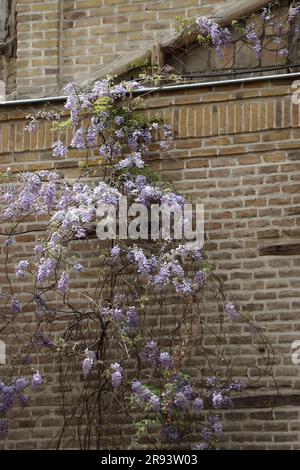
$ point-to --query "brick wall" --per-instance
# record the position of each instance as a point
(62, 40)
(237, 151)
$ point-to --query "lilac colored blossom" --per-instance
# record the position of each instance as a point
(46, 269)
(154, 403)
(253, 39)
(110, 150)
(8, 242)
(293, 12)
(48, 192)
(63, 283)
(36, 381)
(24, 399)
(219, 37)
(140, 182)
(231, 310)
(163, 277)
(266, 14)
(201, 446)
(173, 200)
(117, 374)
(199, 278)
(91, 135)
(182, 251)
(20, 384)
(22, 268)
(180, 401)
(88, 363)
(197, 254)
(115, 251)
(198, 406)
(59, 149)
(176, 269)
(116, 314)
(165, 360)
(105, 194)
(77, 267)
(119, 120)
(15, 306)
(120, 134)
(183, 286)
(134, 160)
(79, 139)
(283, 52)
(144, 265)
(151, 353)
(217, 400)
(144, 395)
(132, 321)
(216, 427)
(188, 392)
(149, 195)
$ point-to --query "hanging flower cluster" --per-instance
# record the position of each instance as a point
(126, 351)
(217, 37)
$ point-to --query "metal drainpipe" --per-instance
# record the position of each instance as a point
(180, 86)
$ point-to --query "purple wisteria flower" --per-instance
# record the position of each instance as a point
(198, 406)
(88, 362)
(59, 149)
(293, 12)
(46, 269)
(253, 39)
(216, 426)
(64, 282)
(91, 135)
(48, 193)
(22, 268)
(180, 401)
(151, 353)
(77, 267)
(166, 361)
(209, 29)
(231, 310)
(79, 139)
(283, 52)
(217, 400)
(117, 374)
(144, 265)
(15, 306)
(119, 120)
(199, 278)
(132, 321)
(36, 380)
(115, 251)
(134, 160)
(144, 395)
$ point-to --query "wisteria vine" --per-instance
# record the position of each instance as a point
(120, 319)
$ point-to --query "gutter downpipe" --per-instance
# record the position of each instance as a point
(181, 86)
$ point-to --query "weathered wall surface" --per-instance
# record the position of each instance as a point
(237, 151)
(59, 41)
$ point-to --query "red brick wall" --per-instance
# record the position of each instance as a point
(59, 41)
(237, 151)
